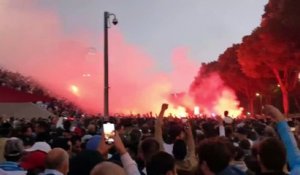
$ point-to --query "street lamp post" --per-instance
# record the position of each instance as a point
(106, 85)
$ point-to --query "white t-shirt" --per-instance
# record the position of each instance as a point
(168, 148)
(2, 172)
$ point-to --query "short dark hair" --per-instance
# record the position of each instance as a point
(149, 147)
(44, 125)
(179, 150)
(74, 139)
(160, 164)
(216, 153)
(272, 154)
(174, 131)
(226, 113)
(245, 144)
(239, 154)
(61, 142)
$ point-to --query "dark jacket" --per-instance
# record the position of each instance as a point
(231, 170)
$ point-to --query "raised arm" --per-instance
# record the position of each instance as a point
(158, 126)
(191, 155)
(287, 138)
(128, 163)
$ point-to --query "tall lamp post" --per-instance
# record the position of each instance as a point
(107, 15)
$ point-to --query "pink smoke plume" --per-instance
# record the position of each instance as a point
(33, 43)
(213, 97)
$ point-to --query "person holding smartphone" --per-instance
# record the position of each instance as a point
(110, 138)
(287, 137)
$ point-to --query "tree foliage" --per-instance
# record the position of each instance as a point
(272, 50)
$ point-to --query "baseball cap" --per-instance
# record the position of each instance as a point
(34, 160)
(13, 147)
(93, 143)
(39, 146)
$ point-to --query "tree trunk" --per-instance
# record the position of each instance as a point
(297, 104)
(251, 105)
(285, 98)
(284, 89)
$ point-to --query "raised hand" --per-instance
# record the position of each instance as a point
(164, 107)
(274, 113)
(103, 148)
(119, 144)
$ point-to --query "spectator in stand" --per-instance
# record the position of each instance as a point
(76, 145)
(34, 160)
(91, 131)
(161, 163)
(128, 163)
(84, 162)
(13, 153)
(148, 148)
(184, 152)
(4, 134)
(27, 135)
(272, 157)
(238, 160)
(176, 133)
(288, 139)
(108, 168)
(215, 156)
(63, 143)
(57, 162)
(42, 131)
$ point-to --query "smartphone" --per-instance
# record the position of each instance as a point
(109, 132)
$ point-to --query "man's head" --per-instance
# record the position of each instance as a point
(226, 113)
(76, 144)
(58, 159)
(148, 148)
(271, 155)
(161, 163)
(176, 132)
(13, 149)
(214, 155)
(92, 129)
(179, 150)
(42, 127)
(108, 168)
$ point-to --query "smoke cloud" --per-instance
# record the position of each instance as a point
(33, 43)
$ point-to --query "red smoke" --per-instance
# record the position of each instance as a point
(213, 97)
(33, 43)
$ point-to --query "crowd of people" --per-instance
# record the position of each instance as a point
(70, 143)
(153, 146)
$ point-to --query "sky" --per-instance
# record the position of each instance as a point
(155, 50)
(205, 27)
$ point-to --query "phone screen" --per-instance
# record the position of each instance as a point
(109, 132)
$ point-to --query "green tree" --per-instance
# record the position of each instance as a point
(235, 78)
(266, 53)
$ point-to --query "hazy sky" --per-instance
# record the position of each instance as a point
(205, 27)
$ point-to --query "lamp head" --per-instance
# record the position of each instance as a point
(115, 21)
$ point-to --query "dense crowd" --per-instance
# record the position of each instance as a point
(153, 146)
(73, 143)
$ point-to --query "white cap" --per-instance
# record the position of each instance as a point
(39, 146)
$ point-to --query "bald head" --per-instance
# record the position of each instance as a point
(108, 168)
(57, 159)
